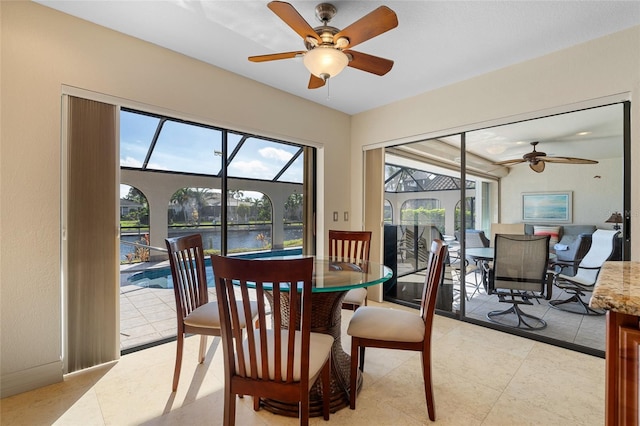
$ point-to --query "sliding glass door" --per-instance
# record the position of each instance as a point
(512, 173)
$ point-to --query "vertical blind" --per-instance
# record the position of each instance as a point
(309, 199)
(91, 268)
(373, 202)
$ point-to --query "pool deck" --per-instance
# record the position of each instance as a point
(146, 314)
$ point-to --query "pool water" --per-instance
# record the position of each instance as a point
(161, 277)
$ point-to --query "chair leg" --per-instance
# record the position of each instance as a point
(229, 405)
(428, 384)
(353, 375)
(203, 348)
(539, 323)
(176, 370)
(362, 358)
(326, 389)
(304, 410)
(582, 307)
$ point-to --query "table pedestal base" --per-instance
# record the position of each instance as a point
(326, 314)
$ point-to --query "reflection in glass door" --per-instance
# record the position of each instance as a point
(422, 203)
(576, 157)
(580, 154)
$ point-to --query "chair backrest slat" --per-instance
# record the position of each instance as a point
(186, 258)
(349, 246)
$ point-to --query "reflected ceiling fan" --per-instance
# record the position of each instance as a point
(328, 48)
(537, 160)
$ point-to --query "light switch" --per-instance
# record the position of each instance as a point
(346, 216)
(335, 216)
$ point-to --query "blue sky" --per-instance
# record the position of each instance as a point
(191, 148)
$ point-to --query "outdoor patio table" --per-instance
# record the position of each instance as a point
(331, 281)
(485, 254)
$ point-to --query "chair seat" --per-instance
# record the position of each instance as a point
(393, 325)
(319, 350)
(577, 279)
(355, 296)
(208, 316)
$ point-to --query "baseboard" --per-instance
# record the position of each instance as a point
(32, 378)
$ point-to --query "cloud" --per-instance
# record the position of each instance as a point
(275, 154)
(130, 162)
(252, 169)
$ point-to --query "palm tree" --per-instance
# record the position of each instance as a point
(293, 207)
(200, 197)
(182, 197)
(236, 195)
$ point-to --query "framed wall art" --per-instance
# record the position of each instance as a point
(547, 206)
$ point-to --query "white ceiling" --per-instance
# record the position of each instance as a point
(436, 43)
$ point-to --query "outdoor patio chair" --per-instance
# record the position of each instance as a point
(281, 362)
(195, 314)
(519, 275)
(588, 268)
(398, 329)
(352, 247)
(474, 239)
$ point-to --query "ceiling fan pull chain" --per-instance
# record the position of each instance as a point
(328, 92)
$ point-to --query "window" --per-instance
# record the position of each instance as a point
(180, 165)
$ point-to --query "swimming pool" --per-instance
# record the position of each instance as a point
(161, 277)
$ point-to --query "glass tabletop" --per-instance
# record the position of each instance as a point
(333, 275)
(480, 252)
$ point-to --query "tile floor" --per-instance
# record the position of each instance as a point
(481, 377)
(585, 330)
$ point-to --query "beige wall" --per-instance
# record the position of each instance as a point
(42, 50)
(606, 67)
(587, 208)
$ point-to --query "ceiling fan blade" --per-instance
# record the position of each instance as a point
(510, 162)
(369, 26)
(315, 82)
(275, 56)
(537, 167)
(292, 18)
(369, 63)
(568, 160)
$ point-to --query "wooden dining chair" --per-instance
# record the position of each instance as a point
(398, 329)
(195, 314)
(281, 362)
(352, 247)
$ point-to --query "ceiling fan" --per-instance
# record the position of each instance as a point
(328, 48)
(537, 160)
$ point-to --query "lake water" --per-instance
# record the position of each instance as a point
(237, 238)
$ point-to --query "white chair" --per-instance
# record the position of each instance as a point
(602, 245)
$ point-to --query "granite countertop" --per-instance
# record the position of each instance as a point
(618, 288)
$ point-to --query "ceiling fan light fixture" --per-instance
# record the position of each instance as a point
(537, 166)
(325, 61)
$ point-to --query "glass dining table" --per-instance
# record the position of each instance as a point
(332, 278)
